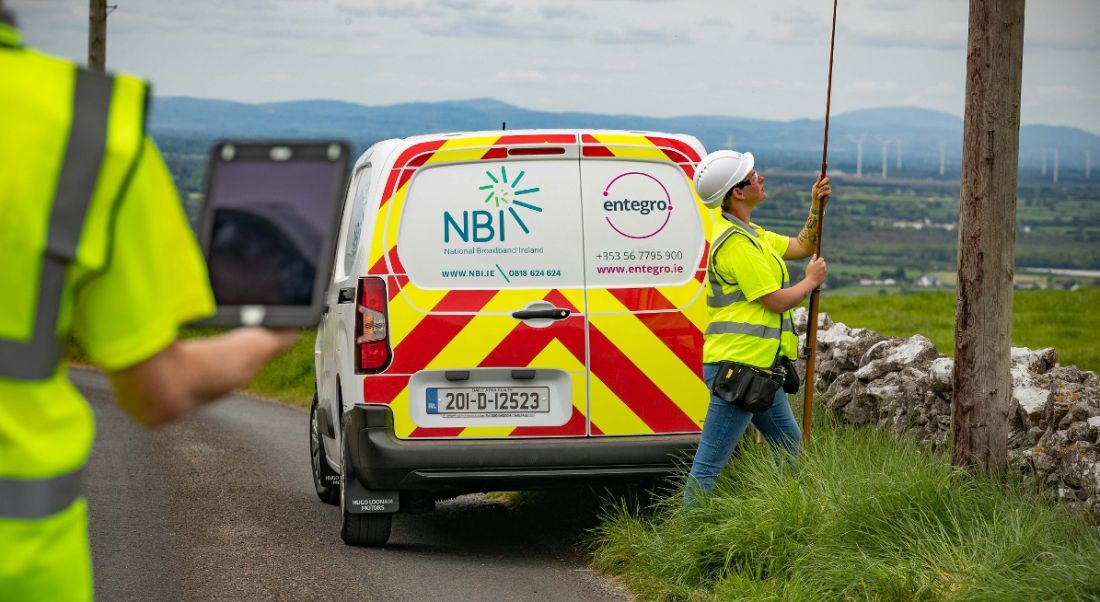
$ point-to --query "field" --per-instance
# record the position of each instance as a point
(878, 230)
(1065, 320)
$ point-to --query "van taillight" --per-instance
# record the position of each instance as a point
(371, 327)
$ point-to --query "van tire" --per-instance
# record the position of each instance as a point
(362, 530)
(325, 480)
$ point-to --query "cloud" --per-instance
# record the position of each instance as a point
(638, 35)
(890, 6)
(1082, 43)
(948, 35)
(778, 85)
(872, 87)
(528, 76)
(1062, 93)
(567, 12)
(798, 16)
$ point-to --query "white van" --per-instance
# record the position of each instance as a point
(509, 310)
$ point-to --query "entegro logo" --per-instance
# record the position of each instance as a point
(637, 205)
(483, 225)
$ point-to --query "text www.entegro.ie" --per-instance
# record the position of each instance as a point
(640, 269)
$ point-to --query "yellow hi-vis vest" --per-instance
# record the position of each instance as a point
(741, 330)
(70, 140)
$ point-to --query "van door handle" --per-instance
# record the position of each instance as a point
(346, 295)
(553, 313)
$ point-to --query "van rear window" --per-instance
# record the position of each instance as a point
(493, 224)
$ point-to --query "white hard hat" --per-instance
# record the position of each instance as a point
(718, 172)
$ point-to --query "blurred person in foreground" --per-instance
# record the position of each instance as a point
(93, 245)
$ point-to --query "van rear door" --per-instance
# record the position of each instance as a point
(645, 240)
(485, 268)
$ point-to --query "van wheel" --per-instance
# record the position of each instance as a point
(364, 530)
(325, 480)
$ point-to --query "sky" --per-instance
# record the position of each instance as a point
(745, 58)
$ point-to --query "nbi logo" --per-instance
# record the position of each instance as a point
(482, 225)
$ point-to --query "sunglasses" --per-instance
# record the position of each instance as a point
(749, 181)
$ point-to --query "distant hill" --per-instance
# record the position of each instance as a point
(792, 144)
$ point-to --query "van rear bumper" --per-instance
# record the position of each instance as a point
(382, 462)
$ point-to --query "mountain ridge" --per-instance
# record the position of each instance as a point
(793, 142)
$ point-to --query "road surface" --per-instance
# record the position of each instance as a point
(221, 507)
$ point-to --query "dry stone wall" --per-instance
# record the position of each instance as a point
(905, 385)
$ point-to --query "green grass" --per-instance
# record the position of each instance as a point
(862, 517)
(289, 377)
(1065, 320)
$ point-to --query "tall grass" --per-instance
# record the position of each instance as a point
(1065, 320)
(862, 517)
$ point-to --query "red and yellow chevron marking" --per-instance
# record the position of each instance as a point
(643, 344)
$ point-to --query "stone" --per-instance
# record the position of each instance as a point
(1038, 361)
(941, 374)
(889, 356)
(1032, 403)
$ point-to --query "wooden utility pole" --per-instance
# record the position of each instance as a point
(97, 35)
(987, 234)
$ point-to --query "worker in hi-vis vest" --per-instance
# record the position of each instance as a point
(749, 344)
(93, 245)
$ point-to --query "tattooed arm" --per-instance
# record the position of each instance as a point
(805, 243)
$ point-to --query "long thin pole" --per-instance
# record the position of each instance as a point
(811, 329)
(97, 34)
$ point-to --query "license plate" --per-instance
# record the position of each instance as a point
(497, 401)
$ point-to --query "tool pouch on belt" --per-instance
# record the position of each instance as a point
(791, 381)
(746, 387)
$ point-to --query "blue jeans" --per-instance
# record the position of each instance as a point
(723, 428)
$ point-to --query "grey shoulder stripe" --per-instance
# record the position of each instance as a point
(38, 498)
(83, 157)
(36, 359)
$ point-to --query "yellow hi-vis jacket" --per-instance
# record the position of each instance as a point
(93, 244)
(746, 263)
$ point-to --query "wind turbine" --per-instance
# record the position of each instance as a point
(897, 142)
(941, 156)
(859, 153)
(885, 142)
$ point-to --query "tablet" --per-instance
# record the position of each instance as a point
(268, 229)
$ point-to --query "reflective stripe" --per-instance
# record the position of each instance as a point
(726, 299)
(38, 498)
(36, 359)
(755, 330)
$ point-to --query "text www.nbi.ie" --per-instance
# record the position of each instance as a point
(469, 273)
(640, 269)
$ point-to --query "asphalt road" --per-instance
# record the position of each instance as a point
(221, 507)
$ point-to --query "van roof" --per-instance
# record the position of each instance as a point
(691, 140)
(592, 137)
